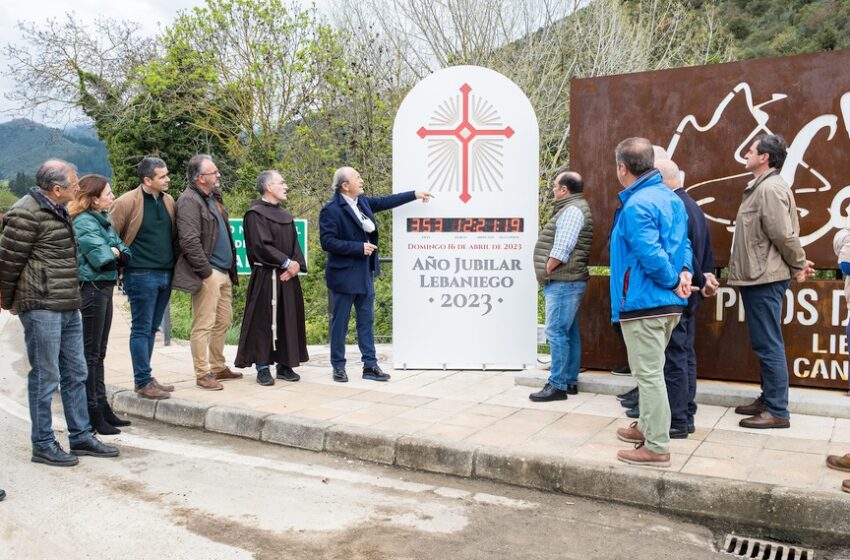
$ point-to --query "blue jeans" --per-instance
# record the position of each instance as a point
(54, 342)
(763, 306)
(364, 312)
(563, 300)
(148, 292)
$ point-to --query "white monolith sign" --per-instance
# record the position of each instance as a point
(464, 291)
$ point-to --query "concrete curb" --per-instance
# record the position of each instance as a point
(797, 514)
(362, 443)
(129, 402)
(431, 455)
(235, 421)
(182, 412)
(294, 432)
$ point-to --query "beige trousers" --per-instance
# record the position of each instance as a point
(212, 313)
(646, 340)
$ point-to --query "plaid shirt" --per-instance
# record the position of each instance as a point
(566, 233)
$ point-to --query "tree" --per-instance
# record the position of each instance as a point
(65, 66)
(539, 44)
(20, 185)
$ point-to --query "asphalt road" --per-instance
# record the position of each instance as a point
(178, 493)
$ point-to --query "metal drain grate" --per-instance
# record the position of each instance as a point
(744, 547)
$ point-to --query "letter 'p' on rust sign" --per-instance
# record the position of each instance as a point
(706, 117)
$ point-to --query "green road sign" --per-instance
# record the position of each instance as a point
(242, 265)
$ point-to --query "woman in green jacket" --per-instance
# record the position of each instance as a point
(100, 253)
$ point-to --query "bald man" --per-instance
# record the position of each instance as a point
(349, 234)
(560, 264)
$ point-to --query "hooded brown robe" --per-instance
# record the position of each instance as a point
(271, 239)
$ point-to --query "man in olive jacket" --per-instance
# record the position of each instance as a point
(206, 268)
(766, 252)
(39, 282)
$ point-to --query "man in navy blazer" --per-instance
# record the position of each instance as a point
(349, 234)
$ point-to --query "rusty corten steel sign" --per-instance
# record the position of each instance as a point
(706, 117)
(814, 316)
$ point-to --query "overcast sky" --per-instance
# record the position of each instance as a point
(152, 16)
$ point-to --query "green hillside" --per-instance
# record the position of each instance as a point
(24, 145)
(764, 28)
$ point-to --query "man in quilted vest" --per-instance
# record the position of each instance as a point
(560, 263)
(39, 282)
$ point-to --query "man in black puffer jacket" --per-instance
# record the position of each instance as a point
(39, 282)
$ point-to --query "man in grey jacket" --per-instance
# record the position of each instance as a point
(766, 252)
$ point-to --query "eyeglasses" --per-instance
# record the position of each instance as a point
(210, 173)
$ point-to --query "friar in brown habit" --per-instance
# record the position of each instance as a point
(275, 257)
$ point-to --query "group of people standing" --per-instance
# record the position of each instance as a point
(661, 266)
(61, 267)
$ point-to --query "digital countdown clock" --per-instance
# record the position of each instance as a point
(465, 225)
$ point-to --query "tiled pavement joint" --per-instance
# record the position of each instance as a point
(800, 400)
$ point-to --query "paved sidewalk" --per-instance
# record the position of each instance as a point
(482, 424)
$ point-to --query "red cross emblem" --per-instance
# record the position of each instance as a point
(465, 133)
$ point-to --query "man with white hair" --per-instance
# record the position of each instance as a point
(680, 365)
(349, 234)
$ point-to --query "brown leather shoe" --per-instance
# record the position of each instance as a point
(846, 485)
(763, 421)
(630, 434)
(226, 375)
(161, 387)
(839, 462)
(209, 383)
(640, 455)
(151, 391)
(754, 408)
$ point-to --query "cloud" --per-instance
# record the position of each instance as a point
(152, 16)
